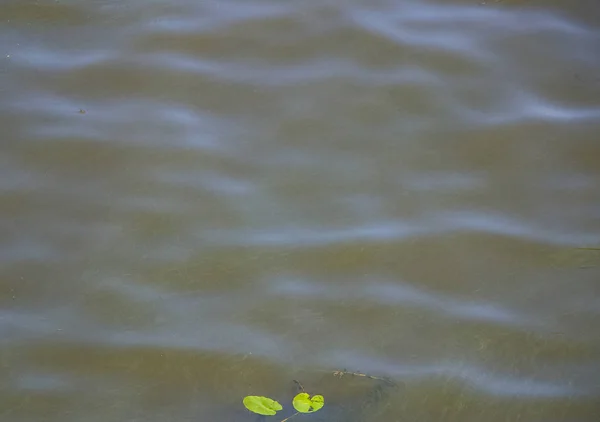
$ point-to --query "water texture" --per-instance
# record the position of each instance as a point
(201, 200)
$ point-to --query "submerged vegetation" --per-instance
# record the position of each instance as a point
(578, 257)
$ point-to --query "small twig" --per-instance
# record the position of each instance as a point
(360, 374)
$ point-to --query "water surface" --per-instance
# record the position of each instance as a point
(201, 200)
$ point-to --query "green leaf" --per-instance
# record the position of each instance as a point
(303, 403)
(261, 405)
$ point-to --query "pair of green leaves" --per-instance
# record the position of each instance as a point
(303, 403)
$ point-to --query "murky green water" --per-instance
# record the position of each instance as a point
(201, 200)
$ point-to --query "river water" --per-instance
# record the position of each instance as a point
(206, 199)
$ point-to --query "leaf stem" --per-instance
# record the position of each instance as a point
(300, 386)
(290, 417)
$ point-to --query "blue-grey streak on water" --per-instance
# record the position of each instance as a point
(204, 200)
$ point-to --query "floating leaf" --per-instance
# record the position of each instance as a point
(261, 405)
(303, 403)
